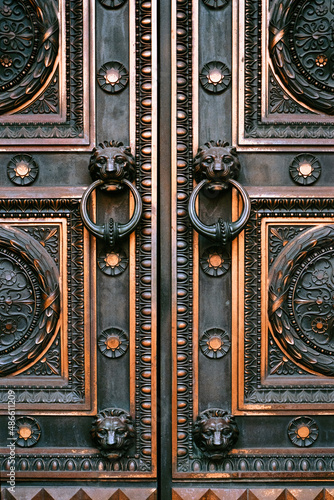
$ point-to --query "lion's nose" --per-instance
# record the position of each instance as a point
(218, 167)
(111, 167)
(111, 440)
(217, 441)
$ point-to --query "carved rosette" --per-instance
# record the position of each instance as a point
(215, 343)
(301, 300)
(303, 431)
(112, 77)
(305, 169)
(22, 170)
(113, 342)
(215, 261)
(27, 431)
(29, 301)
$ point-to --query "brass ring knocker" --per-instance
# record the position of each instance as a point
(112, 167)
(111, 232)
(221, 231)
(218, 163)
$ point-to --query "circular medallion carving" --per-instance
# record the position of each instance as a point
(305, 169)
(112, 77)
(215, 343)
(301, 300)
(215, 77)
(215, 261)
(303, 431)
(29, 36)
(301, 50)
(29, 300)
(22, 170)
(113, 342)
(28, 431)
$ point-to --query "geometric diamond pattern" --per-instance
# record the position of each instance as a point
(286, 495)
(248, 495)
(209, 495)
(81, 495)
(43, 495)
(70, 492)
(119, 495)
(324, 495)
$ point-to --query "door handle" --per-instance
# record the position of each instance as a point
(109, 164)
(218, 163)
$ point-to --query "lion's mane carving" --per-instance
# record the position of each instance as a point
(215, 433)
(216, 161)
(111, 161)
(113, 432)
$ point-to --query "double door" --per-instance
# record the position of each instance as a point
(166, 269)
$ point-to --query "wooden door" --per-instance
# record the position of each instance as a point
(166, 363)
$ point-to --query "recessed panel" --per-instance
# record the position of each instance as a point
(46, 56)
(45, 335)
(283, 81)
(283, 306)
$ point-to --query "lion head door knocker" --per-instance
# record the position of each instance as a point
(112, 167)
(113, 432)
(215, 433)
(216, 165)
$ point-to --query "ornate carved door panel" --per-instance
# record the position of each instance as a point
(252, 344)
(245, 347)
(78, 310)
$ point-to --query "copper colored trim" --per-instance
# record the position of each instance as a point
(154, 254)
(195, 138)
(174, 227)
(132, 239)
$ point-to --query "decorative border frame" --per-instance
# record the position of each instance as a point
(78, 463)
(77, 392)
(252, 392)
(61, 335)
